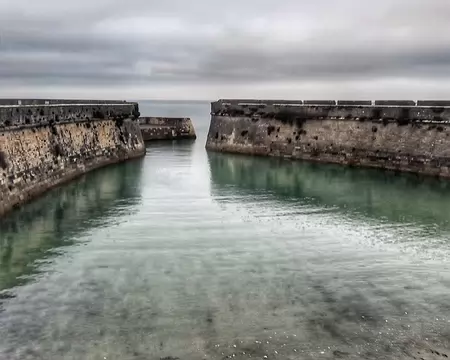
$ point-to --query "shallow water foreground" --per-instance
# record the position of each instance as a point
(190, 255)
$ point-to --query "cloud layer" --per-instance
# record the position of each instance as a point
(210, 48)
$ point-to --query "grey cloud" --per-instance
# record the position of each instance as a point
(184, 43)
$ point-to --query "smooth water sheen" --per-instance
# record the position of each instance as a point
(190, 255)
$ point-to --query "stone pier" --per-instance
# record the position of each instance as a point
(162, 128)
(44, 143)
(411, 136)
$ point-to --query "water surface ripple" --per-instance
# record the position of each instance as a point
(190, 255)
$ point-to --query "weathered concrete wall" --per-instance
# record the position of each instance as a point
(161, 128)
(399, 135)
(45, 144)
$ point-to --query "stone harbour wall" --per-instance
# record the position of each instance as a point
(162, 128)
(411, 136)
(44, 143)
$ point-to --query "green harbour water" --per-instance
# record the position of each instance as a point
(195, 255)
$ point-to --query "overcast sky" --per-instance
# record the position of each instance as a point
(208, 49)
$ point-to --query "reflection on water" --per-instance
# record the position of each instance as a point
(33, 233)
(413, 209)
(372, 193)
(208, 256)
(365, 252)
